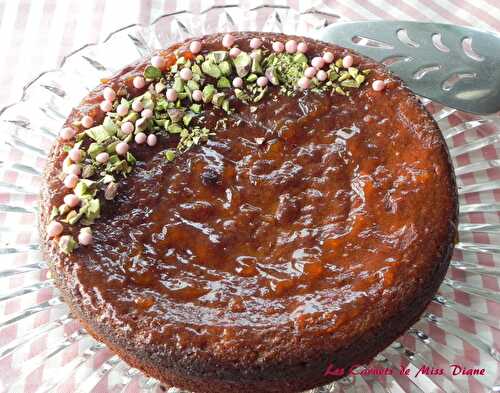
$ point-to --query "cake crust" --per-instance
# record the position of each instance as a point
(170, 283)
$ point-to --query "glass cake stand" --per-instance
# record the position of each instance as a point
(42, 348)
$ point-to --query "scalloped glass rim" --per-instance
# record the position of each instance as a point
(40, 341)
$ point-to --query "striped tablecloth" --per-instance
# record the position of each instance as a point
(37, 34)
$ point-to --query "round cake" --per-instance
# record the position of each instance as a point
(247, 212)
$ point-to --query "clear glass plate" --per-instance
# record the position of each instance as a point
(42, 348)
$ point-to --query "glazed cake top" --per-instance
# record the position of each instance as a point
(252, 192)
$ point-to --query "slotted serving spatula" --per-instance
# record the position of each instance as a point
(456, 66)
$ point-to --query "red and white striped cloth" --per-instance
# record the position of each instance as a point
(37, 34)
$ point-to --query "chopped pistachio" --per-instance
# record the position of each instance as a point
(225, 105)
(67, 244)
(242, 63)
(175, 114)
(174, 128)
(196, 108)
(98, 134)
(211, 69)
(186, 119)
(132, 117)
(343, 76)
(94, 149)
(272, 76)
(178, 85)
(223, 83)
(130, 158)
(192, 85)
(353, 71)
(208, 92)
(217, 99)
(54, 213)
(225, 68)
(170, 155)
(159, 87)
(251, 78)
(349, 83)
(256, 67)
(152, 73)
(360, 79)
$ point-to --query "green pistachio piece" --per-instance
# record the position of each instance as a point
(63, 209)
(195, 69)
(132, 117)
(98, 134)
(159, 87)
(73, 217)
(174, 128)
(272, 76)
(349, 83)
(223, 83)
(360, 79)
(242, 63)
(260, 95)
(343, 76)
(332, 75)
(152, 73)
(178, 85)
(339, 90)
(208, 92)
(93, 210)
(199, 59)
(186, 119)
(175, 114)
(181, 60)
(241, 95)
(225, 68)
(94, 149)
(225, 105)
(170, 155)
(218, 56)
(366, 72)
(67, 244)
(211, 69)
(192, 85)
(110, 126)
(338, 63)
(131, 159)
(353, 71)
(217, 99)
(54, 213)
(251, 78)
(111, 148)
(256, 61)
(196, 108)
(300, 58)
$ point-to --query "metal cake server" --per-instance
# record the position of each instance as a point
(453, 65)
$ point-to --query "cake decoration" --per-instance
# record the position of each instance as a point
(178, 89)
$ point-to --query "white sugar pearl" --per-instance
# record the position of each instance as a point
(151, 140)
(197, 95)
(106, 106)
(317, 62)
(255, 43)
(140, 138)
(137, 106)
(109, 94)
(291, 46)
(310, 72)
(85, 238)
(378, 85)
(102, 158)
(122, 110)
(195, 47)
(54, 229)
(186, 74)
(139, 82)
(302, 47)
(278, 46)
(171, 95)
(228, 40)
(67, 133)
(121, 148)
(147, 113)
(87, 121)
(234, 52)
(75, 155)
(328, 57)
(321, 75)
(75, 169)
(237, 82)
(127, 127)
(71, 181)
(347, 61)
(304, 83)
(157, 61)
(71, 200)
(262, 81)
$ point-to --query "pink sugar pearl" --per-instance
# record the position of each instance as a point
(54, 229)
(228, 40)
(255, 43)
(106, 106)
(121, 148)
(75, 155)
(140, 138)
(304, 83)
(302, 47)
(71, 181)
(186, 74)
(347, 61)
(321, 75)
(262, 81)
(328, 57)
(85, 238)
(237, 82)
(67, 133)
(291, 46)
(151, 140)
(137, 106)
(71, 200)
(87, 121)
(197, 95)
(157, 61)
(378, 85)
(75, 169)
(122, 110)
(234, 52)
(139, 82)
(195, 47)
(317, 62)
(147, 113)
(278, 47)
(171, 95)
(102, 158)
(127, 127)
(109, 94)
(310, 72)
